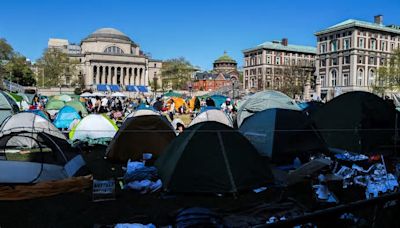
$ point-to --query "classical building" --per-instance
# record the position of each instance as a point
(110, 59)
(350, 53)
(267, 64)
(224, 72)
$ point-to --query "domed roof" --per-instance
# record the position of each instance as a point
(225, 58)
(108, 34)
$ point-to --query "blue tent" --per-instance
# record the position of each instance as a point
(218, 100)
(65, 117)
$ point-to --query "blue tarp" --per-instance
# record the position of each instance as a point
(142, 89)
(102, 87)
(131, 88)
(65, 117)
(114, 88)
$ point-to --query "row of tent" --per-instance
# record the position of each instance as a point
(211, 156)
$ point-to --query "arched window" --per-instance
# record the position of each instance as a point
(334, 77)
(114, 50)
(371, 77)
(360, 76)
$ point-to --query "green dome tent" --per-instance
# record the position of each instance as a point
(358, 122)
(282, 135)
(172, 94)
(78, 106)
(211, 157)
(264, 100)
(55, 105)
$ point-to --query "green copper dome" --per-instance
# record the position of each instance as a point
(225, 58)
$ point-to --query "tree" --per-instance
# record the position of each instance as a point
(6, 51)
(54, 67)
(176, 73)
(388, 78)
(18, 71)
(294, 79)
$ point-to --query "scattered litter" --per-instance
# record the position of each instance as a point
(258, 190)
(351, 157)
(103, 190)
(134, 225)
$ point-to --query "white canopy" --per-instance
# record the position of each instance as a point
(86, 94)
(118, 94)
(98, 94)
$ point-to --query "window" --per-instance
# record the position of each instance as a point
(372, 60)
(391, 46)
(345, 79)
(268, 59)
(259, 70)
(346, 59)
(373, 44)
(346, 44)
(334, 45)
(383, 46)
(259, 60)
(371, 77)
(278, 60)
(293, 62)
(361, 42)
(360, 76)
(361, 59)
(322, 48)
(334, 77)
(286, 61)
(114, 50)
(247, 63)
(246, 72)
(334, 61)
(323, 84)
(323, 62)
(382, 61)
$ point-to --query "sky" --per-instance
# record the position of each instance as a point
(199, 30)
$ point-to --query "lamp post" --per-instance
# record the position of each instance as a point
(233, 88)
(155, 79)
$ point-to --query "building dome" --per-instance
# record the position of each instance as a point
(108, 34)
(225, 59)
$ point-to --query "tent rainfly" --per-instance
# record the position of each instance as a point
(211, 157)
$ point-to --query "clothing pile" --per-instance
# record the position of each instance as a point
(141, 178)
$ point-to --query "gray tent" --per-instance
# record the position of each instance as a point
(264, 100)
(8, 107)
(49, 158)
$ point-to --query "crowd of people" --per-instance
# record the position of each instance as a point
(117, 108)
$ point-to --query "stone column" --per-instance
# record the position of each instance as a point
(98, 75)
(114, 80)
(88, 76)
(109, 75)
(146, 77)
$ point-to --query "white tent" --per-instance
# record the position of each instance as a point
(94, 127)
(212, 115)
(142, 112)
(118, 94)
(30, 122)
(98, 94)
(86, 94)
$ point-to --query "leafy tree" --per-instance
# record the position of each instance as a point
(176, 73)
(19, 71)
(294, 79)
(6, 51)
(388, 78)
(54, 67)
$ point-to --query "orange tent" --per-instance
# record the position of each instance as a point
(178, 102)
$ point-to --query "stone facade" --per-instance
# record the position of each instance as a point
(266, 64)
(108, 56)
(350, 53)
